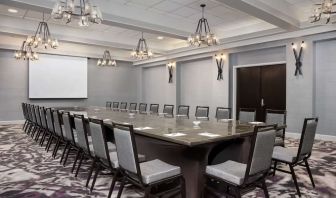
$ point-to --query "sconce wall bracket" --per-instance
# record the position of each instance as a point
(298, 62)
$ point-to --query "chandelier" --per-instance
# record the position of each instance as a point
(26, 52)
(42, 37)
(323, 10)
(106, 60)
(141, 51)
(203, 34)
(85, 11)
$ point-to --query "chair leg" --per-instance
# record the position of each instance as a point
(64, 150)
(90, 172)
(113, 183)
(309, 172)
(295, 181)
(58, 142)
(49, 142)
(79, 165)
(74, 164)
(38, 135)
(43, 137)
(183, 187)
(148, 191)
(121, 188)
(95, 177)
(264, 187)
(274, 167)
(66, 156)
(24, 125)
(237, 191)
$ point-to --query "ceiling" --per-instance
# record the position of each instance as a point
(174, 20)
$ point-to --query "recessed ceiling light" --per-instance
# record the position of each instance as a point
(160, 37)
(11, 10)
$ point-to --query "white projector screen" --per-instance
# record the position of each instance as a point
(54, 76)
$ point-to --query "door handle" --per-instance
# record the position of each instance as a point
(262, 102)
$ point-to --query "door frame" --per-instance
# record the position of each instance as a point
(234, 81)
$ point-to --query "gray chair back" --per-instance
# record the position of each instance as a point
(38, 116)
(154, 108)
(183, 110)
(202, 111)
(169, 110)
(68, 131)
(132, 106)
(223, 113)
(115, 105)
(43, 117)
(50, 122)
(123, 105)
(142, 108)
(262, 149)
(57, 123)
(247, 115)
(126, 148)
(108, 104)
(307, 137)
(99, 140)
(82, 139)
(275, 117)
(32, 110)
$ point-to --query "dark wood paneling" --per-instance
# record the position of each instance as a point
(264, 82)
(248, 88)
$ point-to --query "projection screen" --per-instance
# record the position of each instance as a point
(55, 76)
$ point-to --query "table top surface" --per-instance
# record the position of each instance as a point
(176, 130)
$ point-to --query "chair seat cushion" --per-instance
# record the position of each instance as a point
(284, 154)
(230, 171)
(114, 159)
(157, 170)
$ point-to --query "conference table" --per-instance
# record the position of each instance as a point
(180, 141)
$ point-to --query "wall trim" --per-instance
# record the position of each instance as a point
(317, 137)
(12, 122)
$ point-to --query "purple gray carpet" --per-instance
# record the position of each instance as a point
(26, 170)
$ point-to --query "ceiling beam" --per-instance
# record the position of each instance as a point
(261, 41)
(265, 12)
(109, 19)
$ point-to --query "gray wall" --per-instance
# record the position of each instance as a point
(117, 84)
(199, 85)
(155, 86)
(325, 91)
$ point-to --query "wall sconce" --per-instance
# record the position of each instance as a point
(170, 67)
(298, 62)
(220, 63)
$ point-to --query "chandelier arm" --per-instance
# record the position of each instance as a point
(198, 25)
(146, 47)
(201, 28)
(207, 24)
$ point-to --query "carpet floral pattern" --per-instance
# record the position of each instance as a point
(26, 170)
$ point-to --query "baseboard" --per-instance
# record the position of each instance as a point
(317, 137)
(12, 122)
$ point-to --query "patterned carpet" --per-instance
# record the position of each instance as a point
(26, 170)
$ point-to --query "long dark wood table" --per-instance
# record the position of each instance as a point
(158, 137)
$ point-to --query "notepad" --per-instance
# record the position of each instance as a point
(225, 120)
(175, 134)
(255, 123)
(208, 134)
(143, 128)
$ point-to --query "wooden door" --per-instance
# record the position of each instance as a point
(261, 88)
